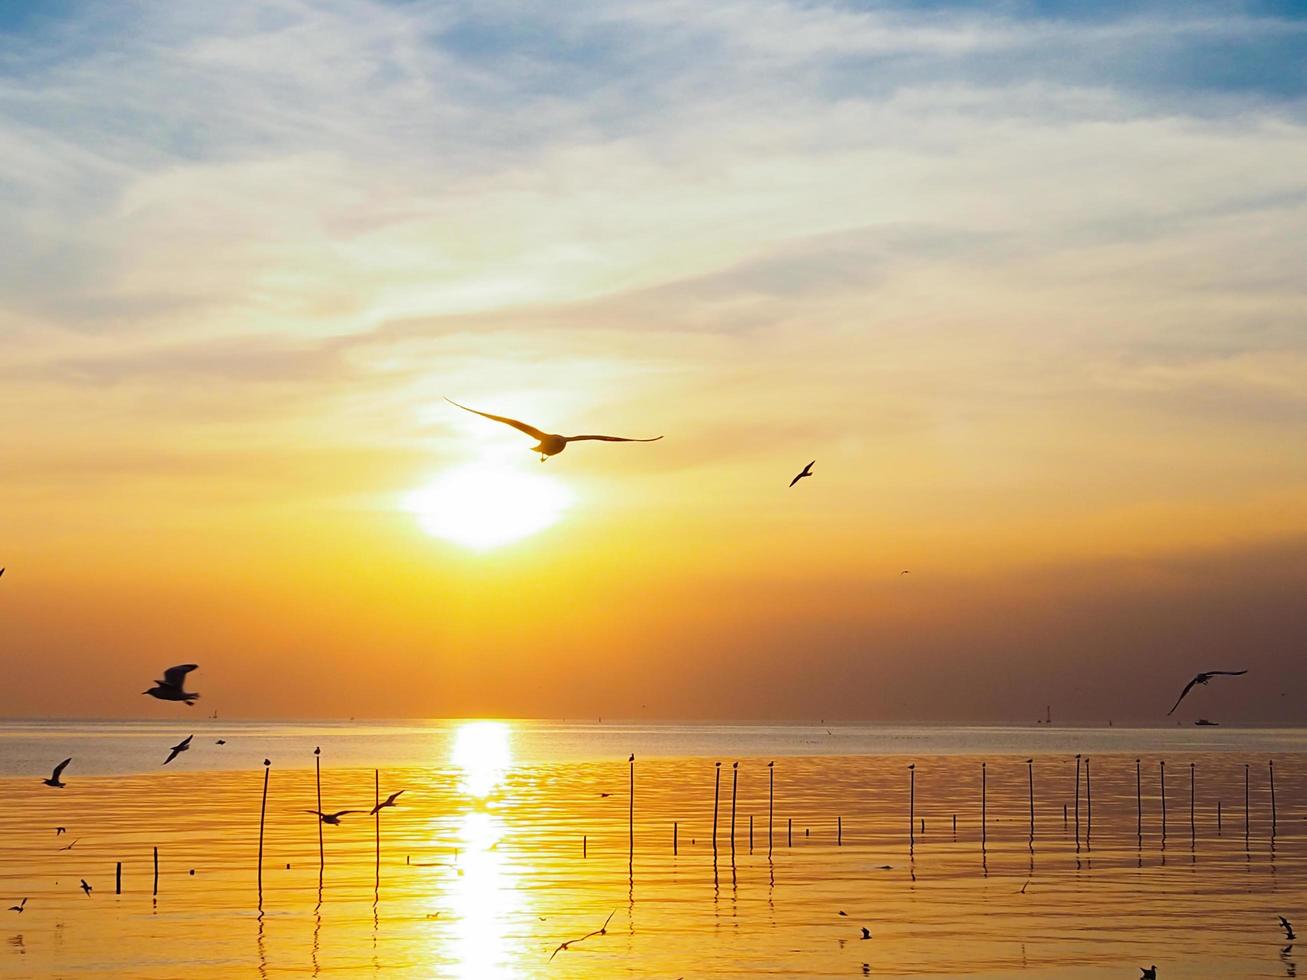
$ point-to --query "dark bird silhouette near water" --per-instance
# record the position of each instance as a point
(178, 749)
(549, 443)
(85, 887)
(1148, 972)
(60, 830)
(221, 741)
(19, 906)
(807, 471)
(866, 933)
(1288, 929)
(388, 801)
(54, 776)
(69, 847)
(171, 687)
(605, 795)
(601, 931)
(1203, 678)
(906, 571)
(332, 818)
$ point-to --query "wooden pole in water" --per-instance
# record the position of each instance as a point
(911, 805)
(262, 812)
(630, 816)
(1077, 798)
(1161, 768)
(584, 842)
(1030, 778)
(376, 820)
(751, 833)
(1270, 765)
(156, 872)
(839, 831)
(673, 838)
(1245, 803)
(1089, 805)
(789, 832)
(771, 800)
(118, 879)
(716, 795)
(984, 792)
(1218, 817)
(317, 773)
(735, 779)
(1139, 802)
(1192, 828)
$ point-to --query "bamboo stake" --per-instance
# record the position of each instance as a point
(771, 800)
(262, 812)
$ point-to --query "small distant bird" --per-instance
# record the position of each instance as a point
(866, 933)
(221, 741)
(60, 830)
(906, 571)
(842, 912)
(1288, 929)
(332, 818)
(1203, 678)
(807, 471)
(388, 801)
(69, 847)
(550, 444)
(631, 758)
(19, 906)
(54, 776)
(605, 795)
(1148, 972)
(601, 931)
(178, 749)
(85, 887)
(171, 687)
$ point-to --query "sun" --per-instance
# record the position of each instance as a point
(484, 505)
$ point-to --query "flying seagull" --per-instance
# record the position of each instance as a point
(1288, 929)
(601, 931)
(19, 906)
(54, 776)
(1148, 972)
(549, 443)
(178, 749)
(866, 933)
(388, 801)
(60, 830)
(85, 887)
(171, 687)
(69, 847)
(332, 818)
(221, 741)
(1203, 678)
(807, 471)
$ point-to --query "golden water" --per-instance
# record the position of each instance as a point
(481, 871)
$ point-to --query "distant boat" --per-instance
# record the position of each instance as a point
(1207, 724)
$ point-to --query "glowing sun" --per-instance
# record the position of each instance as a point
(483, 506)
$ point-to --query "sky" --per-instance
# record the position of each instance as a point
(1025, 279)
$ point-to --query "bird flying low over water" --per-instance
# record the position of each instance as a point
(178, 749)
(388, 801)
(171, 687)
(54, 776)
(332, 818)
(1148, 972)
(85, 887)
(60, 830)
(221, 741)
(866, 933)
(807, 471)
(548, 443)
(69, 847)
(601, 931)
(1203, 678)
(18, 907)
(1288, 929)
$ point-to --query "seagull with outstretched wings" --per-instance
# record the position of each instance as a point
(54, 776)
(1203, 679)
(178, 749)
(548, 443)
(171, 688)
(332, 818)
(806, 471)
(388, 801)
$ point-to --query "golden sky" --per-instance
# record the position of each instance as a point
(1029, 288)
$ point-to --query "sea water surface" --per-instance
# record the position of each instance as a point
(511, 838)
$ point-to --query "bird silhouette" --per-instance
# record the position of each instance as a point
(906, 571)
(54, 776)
(866, 933)
(69, 847)
(1203, 678)
(388, 801)
(333, 818)
(1148, 972)
(807, 471)
(221, 741)
(19, 906)
(842, 912)
(549, 443)
(605, 795)
(1288, 929)
(601, 931)
(60, 830)
(85, 887)
(171, 687)
(178, 749)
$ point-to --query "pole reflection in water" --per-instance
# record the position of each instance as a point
(485, 895)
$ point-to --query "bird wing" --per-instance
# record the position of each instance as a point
(185, 743)
(1182, 694)
(560, 946)
(530, 430)
(172, 754)
(176, 676)
(607, 439)
(318, 812)
(343, 813)
(1226, 673)
(60, 768)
